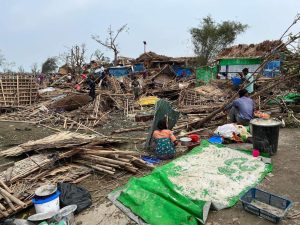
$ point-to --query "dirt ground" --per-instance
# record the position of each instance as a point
(283, 181)
(12, 134)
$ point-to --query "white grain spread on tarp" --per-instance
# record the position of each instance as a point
(216, 174)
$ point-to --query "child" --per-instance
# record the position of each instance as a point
(165, 141)
(136, 87)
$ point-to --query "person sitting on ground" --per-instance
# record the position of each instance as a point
(241, 109)
(136, 87)
(249, 78)
(165, 141)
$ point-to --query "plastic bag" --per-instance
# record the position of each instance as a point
(226, 130)
(72, 194)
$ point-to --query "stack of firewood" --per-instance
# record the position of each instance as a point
(110, 160)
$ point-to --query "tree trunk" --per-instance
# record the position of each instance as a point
(116, 58)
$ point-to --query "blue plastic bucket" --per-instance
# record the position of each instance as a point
(48, 204)
(236, 81)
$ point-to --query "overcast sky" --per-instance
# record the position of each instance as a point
(32, 30)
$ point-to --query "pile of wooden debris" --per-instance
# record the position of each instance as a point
(62, 157)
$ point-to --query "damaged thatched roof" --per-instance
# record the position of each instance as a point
(252, 50)
(152, 56)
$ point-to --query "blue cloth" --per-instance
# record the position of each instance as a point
(164, 147)
(245, 106)
(150, 160)
(182, 72)
(215, 139)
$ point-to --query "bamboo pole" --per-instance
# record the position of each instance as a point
(4, 213)
(142, 163)
(12, 198)
(106, 152)
(111, 165)
(5, 186)
(94, 167)
(81, 179)
(130, 129)
(131, 169)
(2, 207)
(103, 159)
(106, 167)
(194, 131)
(9, 202)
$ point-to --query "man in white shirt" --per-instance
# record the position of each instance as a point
(249, 78)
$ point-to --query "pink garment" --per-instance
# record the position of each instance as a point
(77, 87)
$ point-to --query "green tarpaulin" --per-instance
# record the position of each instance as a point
(207, 73)
(178, 192)
(163, 110)
(240, 61)
(289, 98)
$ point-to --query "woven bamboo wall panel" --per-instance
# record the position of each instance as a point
(17, 90)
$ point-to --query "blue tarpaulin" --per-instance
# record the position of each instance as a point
(182, 72)
(138, 67)
(272, 68)
(120, 71)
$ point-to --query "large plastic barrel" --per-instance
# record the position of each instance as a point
(236, 81)
(265, 134)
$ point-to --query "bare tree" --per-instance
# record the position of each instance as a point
(8, 66)
(2, 59)
(35, 69)
(99, 56)
(21, 69)
(74, 57)
(77, 57)
(110, 41)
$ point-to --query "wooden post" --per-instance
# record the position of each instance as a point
(80, 124)
(18, 92)
(30, 91)
(127, 104)
(3, 92)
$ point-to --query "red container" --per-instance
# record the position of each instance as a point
(194, 137)
(255, 153)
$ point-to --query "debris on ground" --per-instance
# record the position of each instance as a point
(103, 117)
